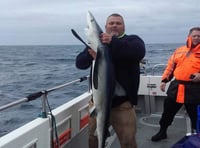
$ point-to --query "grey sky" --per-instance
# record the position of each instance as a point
(48, 22)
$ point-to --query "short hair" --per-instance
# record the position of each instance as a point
(193, 29)
(116, 15)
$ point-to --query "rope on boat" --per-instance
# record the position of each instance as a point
(36, 95)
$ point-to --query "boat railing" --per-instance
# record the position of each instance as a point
(147, 68)
(54, 128)
(43, 94)
(153, 69)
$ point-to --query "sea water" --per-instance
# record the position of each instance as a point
(29, 69)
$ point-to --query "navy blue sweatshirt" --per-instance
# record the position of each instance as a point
(126, 53)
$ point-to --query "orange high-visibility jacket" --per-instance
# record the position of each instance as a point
(184, 61)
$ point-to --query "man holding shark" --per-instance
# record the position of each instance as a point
(126, 52)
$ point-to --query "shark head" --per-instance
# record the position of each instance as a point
(92, 31)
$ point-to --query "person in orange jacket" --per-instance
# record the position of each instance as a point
(184, 67)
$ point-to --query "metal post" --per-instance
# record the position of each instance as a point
(44, 107)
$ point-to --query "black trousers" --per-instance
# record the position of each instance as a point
(171, 108)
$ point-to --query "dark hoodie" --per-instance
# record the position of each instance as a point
(126, 53)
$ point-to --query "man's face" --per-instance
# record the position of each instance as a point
(115, 26)
(195, 37)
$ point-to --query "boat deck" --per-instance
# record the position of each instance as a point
(148, 126)
(175, 132)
